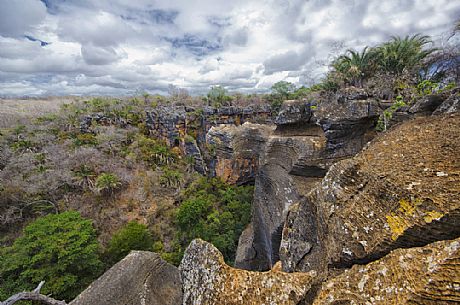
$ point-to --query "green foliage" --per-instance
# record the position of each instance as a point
(85, 139)
(171, 178)
(133, 236)
(60, 249)
(217, 96)
(216, 212)
(153, 152)
(354, 67)
(388, 113)
(107, 183)
(401, 54)
(280, 91)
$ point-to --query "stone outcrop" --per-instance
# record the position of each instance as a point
(181, 126)
(140, 278)
(208, 280)
(427, 275)
(402, 191)
(236, 150)
(308, 139)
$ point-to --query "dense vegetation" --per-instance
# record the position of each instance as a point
(60, 249)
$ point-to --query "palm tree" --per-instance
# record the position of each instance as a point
(401, 54)
(355, 66)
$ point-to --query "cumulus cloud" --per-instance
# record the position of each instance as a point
(118, 47)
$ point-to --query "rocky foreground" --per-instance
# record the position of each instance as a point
(336, 219)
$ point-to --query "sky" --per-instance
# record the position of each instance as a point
(123, 47)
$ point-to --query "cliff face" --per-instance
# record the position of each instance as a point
(187, 127)
(308, 139)
(400, 192)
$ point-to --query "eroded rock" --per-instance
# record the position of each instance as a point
(236, 150)
(402, 191)
(307, 141)
(140, 278)
(208, 280)
(426, 275)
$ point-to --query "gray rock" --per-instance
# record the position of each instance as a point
(140, 278)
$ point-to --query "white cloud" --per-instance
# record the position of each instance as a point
(120, 46)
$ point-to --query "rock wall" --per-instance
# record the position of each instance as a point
(208, 280)
(186, 128)
(402, 191)
(308, 139)
(140, 278)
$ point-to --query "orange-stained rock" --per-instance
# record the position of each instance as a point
(208, 280)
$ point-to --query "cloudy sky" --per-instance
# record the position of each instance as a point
(118, 47)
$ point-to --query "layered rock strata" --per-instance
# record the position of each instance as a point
(402, 191)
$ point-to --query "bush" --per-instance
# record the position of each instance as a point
(60, 249)
(133, 236)
(216, 212)
(107, 183)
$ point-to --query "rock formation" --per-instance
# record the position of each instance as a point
(140, 278)
(427, 275)
(186, 127)
(402, 191)
(307, 140)
(208, 280)
(236, 150)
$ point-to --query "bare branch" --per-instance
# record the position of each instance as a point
(33, 296)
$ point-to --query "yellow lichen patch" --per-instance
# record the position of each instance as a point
(408, 207)
(432, 215)
(397, 225)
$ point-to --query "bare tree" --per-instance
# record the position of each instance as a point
(35, 295)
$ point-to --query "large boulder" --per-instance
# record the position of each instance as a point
(402, 191)
(140, 278)
(426, 275)
(208, 280)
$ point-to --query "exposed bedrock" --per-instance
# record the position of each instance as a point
(402, 191)
(236, 150)
(426, 275)
(186, 127)
(140, 278)
(208, 280)
(308, 139)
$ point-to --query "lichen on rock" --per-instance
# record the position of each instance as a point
(208, 280)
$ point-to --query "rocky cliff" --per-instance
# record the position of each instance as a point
(308, 139)
(402, 191)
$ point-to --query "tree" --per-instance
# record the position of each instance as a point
(133, 236)
(280, 92)
(217, 96)
(400, 54)
(354, 66)
(60, 249)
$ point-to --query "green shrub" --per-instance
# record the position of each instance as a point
(60, 249)
(216, 212)
(133, 236)
(85, 139)
(107, 183)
